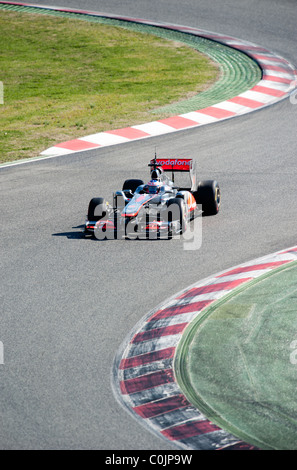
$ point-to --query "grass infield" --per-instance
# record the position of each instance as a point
(237, 363)
(64, 79)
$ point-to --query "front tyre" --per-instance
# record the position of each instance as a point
(97, 209)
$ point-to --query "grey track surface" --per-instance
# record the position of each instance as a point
(68, 303)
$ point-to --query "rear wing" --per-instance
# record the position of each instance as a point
(173, 164)
(177, 165)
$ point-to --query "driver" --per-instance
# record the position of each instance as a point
(153, 187)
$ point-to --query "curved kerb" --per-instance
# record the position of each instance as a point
(278, 81)
(144, 377)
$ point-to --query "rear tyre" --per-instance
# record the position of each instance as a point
(97, 209)
(208, 194)
(132, 185)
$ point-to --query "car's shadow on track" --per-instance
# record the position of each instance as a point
(71, 235)
(79, 235)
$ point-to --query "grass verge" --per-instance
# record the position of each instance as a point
(64, 79)
(237, 361)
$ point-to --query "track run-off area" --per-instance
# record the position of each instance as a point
(69, 303)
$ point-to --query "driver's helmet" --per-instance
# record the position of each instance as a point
(153, 187)
(156, 173)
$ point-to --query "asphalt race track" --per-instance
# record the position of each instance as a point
(68, 303)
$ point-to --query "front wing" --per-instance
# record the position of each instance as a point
(147, 226)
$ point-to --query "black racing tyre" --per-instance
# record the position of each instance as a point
(208, 194)
(97, 209)
(177, 212)
(132, 185)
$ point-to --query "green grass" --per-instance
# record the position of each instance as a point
(65, 79)
(236, 363)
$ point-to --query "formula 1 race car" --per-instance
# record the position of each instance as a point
(158, 209)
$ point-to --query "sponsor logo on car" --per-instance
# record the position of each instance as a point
(177, 164)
